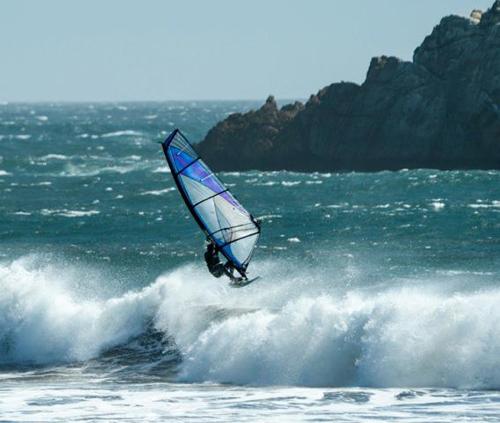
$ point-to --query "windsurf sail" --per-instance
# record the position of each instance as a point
(218, 213)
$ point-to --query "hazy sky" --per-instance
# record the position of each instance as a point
(198, 49)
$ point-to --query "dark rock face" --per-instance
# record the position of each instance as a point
(245, 141)
(440, 111)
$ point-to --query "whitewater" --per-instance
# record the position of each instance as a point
(378, 296)
(284, 331)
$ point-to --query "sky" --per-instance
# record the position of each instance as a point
(123, 50)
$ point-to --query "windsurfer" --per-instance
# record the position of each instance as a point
(216, 268)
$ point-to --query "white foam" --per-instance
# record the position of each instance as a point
(400, 337)
(270, 216)
(54, 157)
(78, 213)
(69, 213)
(158, 192)
(71, 170)
(290, 183)
(125, 133)
(292, 327)
(438, 205)
(162, 169)
(4, 173)
(337, 206)
(43, 321)
(481, 205)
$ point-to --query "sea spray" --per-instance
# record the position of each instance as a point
(401, 337)
(43, 320)
(274, 333)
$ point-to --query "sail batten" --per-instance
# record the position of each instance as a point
(218, 213)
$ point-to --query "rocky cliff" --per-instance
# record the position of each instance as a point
(442, 110)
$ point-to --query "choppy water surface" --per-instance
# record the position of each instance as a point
(378, 299)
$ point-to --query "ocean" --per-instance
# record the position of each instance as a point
(378, 298)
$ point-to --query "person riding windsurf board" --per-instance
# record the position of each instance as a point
(230, 229)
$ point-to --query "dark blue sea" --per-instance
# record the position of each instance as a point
(379, 296)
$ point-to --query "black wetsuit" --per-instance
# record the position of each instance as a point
(215, 267)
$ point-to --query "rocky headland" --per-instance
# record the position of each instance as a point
(441, 110)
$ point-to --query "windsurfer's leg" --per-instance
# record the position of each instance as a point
(228, 271)
(218, 270)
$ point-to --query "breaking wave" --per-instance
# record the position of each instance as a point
(301, 330)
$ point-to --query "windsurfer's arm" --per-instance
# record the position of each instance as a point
(214, 246)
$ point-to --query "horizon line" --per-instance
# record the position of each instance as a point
(263, 99)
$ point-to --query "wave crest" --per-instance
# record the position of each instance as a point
(299, 331)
